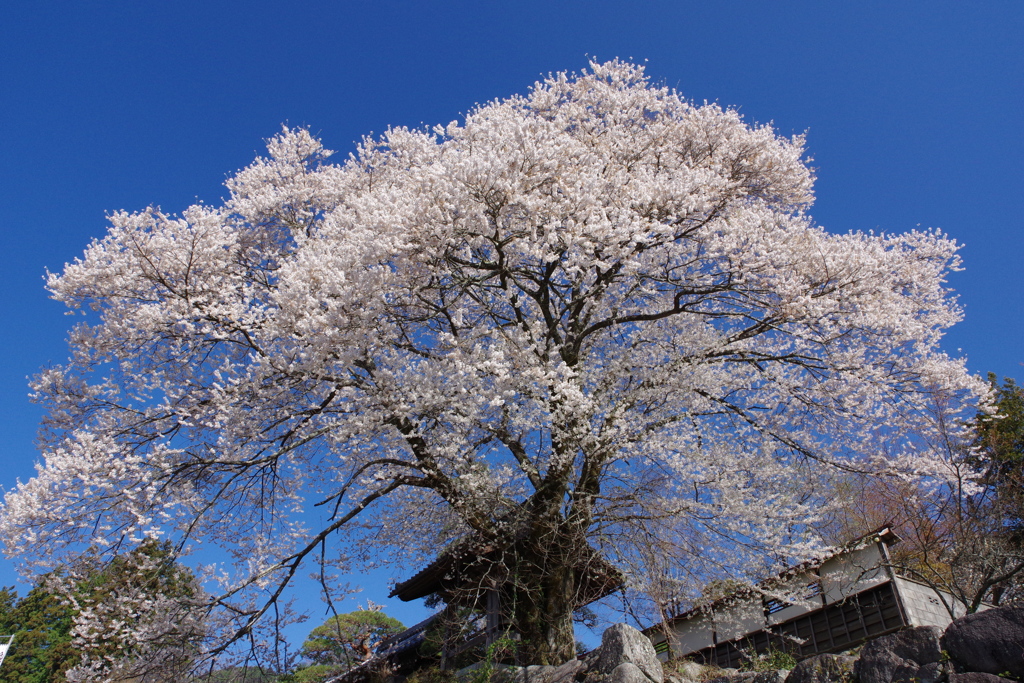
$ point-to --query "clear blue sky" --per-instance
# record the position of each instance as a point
(914, 113)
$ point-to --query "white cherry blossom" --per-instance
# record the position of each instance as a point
(592, 314)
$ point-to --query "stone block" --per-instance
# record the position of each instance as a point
(988, 642)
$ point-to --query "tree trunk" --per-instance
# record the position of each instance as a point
(541, 596)
(542, 615)
(543, 569)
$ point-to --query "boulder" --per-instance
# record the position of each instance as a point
(909, 672)
(930, 673)
(544, 674)
(989, 642)
(733, 676)
(920, 644)
(878, 667)
(977, 677)
(898, 657)
(687, 670)
(566, 673)
(623, 644)
(772, 676)
(627, 672)
(823, 669)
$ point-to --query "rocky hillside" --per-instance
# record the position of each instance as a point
(987, 647)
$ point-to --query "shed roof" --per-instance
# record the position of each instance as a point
(883, 534)
(473, 558)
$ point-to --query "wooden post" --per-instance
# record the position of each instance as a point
(884, 549)
(493, 615)
(446, 633)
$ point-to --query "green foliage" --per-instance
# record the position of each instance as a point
(711, 671)
(239, 674)
(453, 623)
(42, 649)
(431, 674)
(502, 649)
(166, 577)
(347, 639)
(999, 443)
(148, 571)
(1000, 439)
(312, 674)
(772, 660)
(684, 667)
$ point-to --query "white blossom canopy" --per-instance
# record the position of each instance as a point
(598, 300)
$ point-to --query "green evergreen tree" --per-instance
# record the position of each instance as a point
(1001, 442)
(41, 624)
(347, 639)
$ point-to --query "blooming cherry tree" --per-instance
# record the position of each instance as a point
(583, 316)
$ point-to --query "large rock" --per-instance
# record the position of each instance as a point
(627, 672)
(990, 642)
(930, 673)
(909, 672)
(899, 657)
(622, 644)
(686, 670)
(734, 676)
(566, 673)
(879, 667)
(823, 669)
(977, 677)
(772, 676)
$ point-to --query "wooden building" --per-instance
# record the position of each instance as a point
(472, 578)
(827, 605)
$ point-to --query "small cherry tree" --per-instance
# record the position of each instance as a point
(580, 313)
(139, 617)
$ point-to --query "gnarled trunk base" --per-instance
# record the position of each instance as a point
(540, 602)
